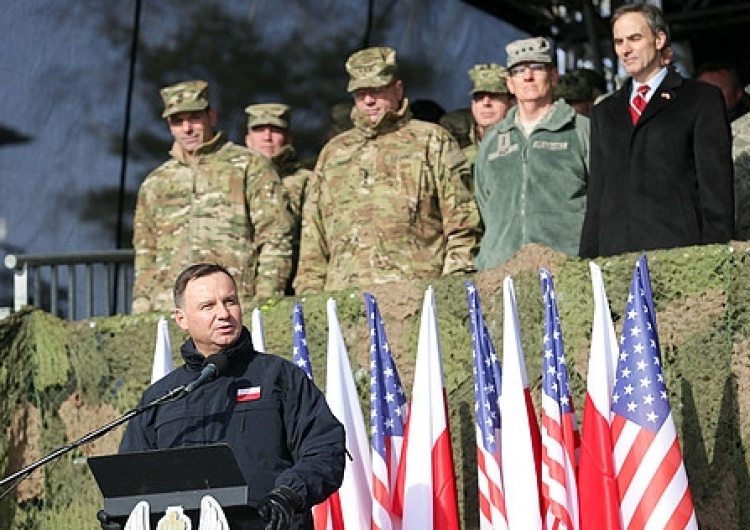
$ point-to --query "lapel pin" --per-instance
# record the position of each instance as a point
(665, 95)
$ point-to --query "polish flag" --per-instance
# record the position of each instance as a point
(430, 500)
(162, 364)
(257, 332)
(352, 504)
(520, 439)
(248, 394)
(597, 487)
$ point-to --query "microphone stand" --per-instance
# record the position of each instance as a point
(22, 474)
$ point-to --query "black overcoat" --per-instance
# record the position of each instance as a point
(665, 182)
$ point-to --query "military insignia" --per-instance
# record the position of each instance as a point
(174, 519)
(504, 147)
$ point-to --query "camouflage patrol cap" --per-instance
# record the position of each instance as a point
(184, 97)
(573, 86)
(534, 50)
(371, 68)
(459, 123)
(488, 77)
(276, 114)
(595, 79)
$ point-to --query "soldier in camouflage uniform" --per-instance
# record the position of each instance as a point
(741, 156)
(387, 200)
(268, 132)
(212, 201)
(490, 102)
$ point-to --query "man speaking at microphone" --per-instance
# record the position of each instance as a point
(287, 442)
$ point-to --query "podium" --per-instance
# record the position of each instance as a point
(169, 477)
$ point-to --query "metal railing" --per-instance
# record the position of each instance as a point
(76, 285)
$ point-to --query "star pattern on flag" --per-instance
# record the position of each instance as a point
(555, 382)
(300, 353)
(640, 392)
(387, 396)
(487, 374)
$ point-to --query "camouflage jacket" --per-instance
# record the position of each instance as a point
(295, 178)
(224, 204)
(293, 175)
(387, 203)
(741, 156)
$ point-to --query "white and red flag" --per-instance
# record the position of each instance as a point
(597, 487)
(257, 331)
(429, 487)
(162, 363)
(521, 444)
(352, 504)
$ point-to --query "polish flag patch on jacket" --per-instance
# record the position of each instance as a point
(248, 394)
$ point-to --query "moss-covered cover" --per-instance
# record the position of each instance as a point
(62, 379)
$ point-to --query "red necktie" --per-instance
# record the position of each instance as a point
(638, 103)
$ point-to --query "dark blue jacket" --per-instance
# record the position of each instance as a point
(275, 419)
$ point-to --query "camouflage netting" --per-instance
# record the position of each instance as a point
(61, 379)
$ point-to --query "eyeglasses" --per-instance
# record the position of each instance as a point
(534, 67)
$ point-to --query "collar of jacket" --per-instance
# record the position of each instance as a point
(390, 121)
(665, 91)
(558, 116)
(286, 160)
(213, 145)
(235, 352)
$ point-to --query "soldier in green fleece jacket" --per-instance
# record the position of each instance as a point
(532, 167)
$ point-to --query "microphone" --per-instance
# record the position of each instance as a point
(214, 366)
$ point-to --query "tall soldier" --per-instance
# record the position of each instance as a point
(387, 201)
(211, 201)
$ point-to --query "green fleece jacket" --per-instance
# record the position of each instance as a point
(532, 189)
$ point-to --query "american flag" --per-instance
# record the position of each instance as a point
(387, 418)
(651, 477)
(300, 353)
(487, 383)
(327, 515)
(560, 437)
